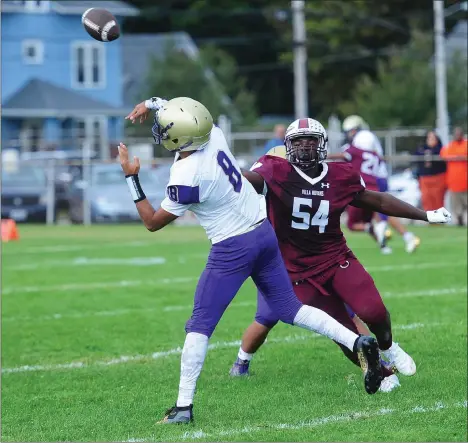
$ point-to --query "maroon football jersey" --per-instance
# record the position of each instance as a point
(367, 163)
(305, 212)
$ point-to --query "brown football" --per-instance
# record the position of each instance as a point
(101, 25)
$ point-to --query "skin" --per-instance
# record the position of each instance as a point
(153, 219)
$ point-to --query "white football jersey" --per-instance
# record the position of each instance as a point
(209, 183)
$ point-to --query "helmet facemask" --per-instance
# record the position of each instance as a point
(306, 151)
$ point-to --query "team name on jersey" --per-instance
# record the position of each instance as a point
(312, 192)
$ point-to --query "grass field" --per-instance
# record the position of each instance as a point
(93, 318)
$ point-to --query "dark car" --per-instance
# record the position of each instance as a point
(109, 197)
(24, 193)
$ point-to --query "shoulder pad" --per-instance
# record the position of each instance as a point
(277, 151)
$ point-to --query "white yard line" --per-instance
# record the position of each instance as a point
(413, 266)
(186, 307)
(96, 285)
(175, 351)
(88, 261)
(217, 435)
(59, 248)
(91, 286)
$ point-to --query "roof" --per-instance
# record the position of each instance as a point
(137, 53)
(118, 8)
(457, 40)
(40, 98)
(78, 7)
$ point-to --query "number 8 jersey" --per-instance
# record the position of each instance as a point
(305, 212)
(210, 184)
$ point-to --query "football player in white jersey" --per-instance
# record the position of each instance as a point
(205, 179)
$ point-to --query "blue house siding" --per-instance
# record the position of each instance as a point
(44, 88)
(58, 55)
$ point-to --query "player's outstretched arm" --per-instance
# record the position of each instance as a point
(385, 203)
(152, 219)
(255, 179)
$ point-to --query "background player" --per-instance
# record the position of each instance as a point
(305, 199)
(364, 151)
(206, 179)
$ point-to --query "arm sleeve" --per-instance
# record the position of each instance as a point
(155, 103)
(183, 191)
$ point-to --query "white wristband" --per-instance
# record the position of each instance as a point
(133, 183)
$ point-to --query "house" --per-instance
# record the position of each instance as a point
(59, 85)
(138, 51)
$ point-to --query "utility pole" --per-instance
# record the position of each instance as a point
(300, 59)
(441, 71)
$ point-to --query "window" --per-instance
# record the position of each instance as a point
(34, 5)
(33, 52)
(88, 65)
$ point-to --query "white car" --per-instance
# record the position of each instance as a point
(405, 186)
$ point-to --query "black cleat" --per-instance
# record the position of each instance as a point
(369, 358)
(178, 415)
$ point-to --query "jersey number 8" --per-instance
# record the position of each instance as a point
(320, 218)
(229, 169)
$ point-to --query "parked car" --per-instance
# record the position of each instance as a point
(405, 186)
(24, 193)
(67, 169)
(109, 197)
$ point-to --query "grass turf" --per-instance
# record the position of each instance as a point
(83, 316)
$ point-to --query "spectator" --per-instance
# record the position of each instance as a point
(431, 173)
(456, 155)
(279, 131)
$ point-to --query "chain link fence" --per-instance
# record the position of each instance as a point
(77, 187)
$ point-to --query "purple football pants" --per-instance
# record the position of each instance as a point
(254, 254)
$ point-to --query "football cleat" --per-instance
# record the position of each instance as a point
(178, 415)
(389, 383)
(367, 351)
(412, 244)
(400, 360)
(379, 231)
(240, 368)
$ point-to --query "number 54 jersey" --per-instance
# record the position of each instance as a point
(305, 212)
(210, 184)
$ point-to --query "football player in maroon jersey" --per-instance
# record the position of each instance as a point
(305, 198)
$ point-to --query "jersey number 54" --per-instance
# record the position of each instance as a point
(304, 220)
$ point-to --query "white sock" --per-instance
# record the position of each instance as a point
(244, 355)
(191, 364)
(319, 321)
(408, 236)
(367, 227)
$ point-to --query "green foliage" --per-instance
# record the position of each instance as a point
(211, 79)
(403, 92)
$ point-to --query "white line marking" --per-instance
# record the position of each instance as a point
(85, 261)
(90, 286)
(55, 249)
(217, 435)
(175, 351)
(173, 308)
(85, 286)
(413, 266)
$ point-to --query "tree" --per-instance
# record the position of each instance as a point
(345, 40)
(211, 78)
(403, 92)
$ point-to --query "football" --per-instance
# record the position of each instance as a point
(101, 25)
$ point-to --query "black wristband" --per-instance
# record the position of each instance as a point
(135, 188)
